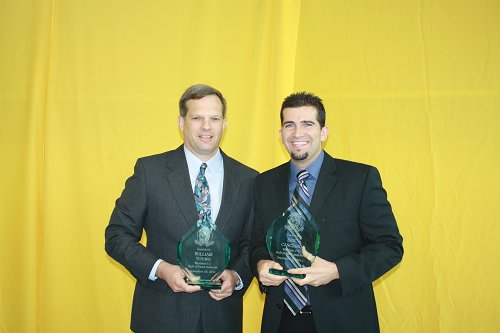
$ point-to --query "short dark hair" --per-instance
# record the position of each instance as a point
(303, 98)
(198, 91)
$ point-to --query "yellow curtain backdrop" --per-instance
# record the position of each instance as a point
(86, 87)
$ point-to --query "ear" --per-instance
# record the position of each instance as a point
(224, 124)
(180, 121)
(324, 133)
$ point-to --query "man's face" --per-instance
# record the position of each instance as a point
(203, 126)
(302, 134)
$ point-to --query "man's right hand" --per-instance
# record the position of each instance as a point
(266, 278)
(174, 276)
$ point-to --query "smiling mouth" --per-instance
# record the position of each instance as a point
(205, 137)
(299, 144)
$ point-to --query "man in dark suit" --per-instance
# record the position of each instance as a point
(158, 198)
(360, 240)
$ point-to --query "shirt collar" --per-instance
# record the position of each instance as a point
(213, 164)
(313, 168)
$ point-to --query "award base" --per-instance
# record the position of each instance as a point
(285, 273)
(205, 285)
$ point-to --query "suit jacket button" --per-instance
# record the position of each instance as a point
(279, 306)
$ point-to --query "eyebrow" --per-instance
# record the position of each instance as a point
(300, 122)
(209, 116)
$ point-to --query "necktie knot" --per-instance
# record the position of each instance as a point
(303, 175)
(203, 167)
(301, 178)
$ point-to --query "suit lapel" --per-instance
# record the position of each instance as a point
(281, 184)
(230, 190)
(180, 184)
(324, 185)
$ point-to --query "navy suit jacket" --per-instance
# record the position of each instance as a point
(158, 198)
(358, 232)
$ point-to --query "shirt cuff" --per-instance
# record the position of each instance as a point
(152, 274)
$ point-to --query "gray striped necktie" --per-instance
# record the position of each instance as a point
(296, 297)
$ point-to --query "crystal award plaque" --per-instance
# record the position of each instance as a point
(293, 240)
(203, 253)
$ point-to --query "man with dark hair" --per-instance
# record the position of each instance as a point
(162, 198)
(359, 237)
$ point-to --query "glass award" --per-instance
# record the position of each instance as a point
(293, 240)
(203, 253)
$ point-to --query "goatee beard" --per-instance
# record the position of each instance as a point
(297, 157)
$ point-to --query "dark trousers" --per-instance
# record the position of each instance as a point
(199, 327)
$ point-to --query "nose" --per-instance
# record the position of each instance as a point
(297, 131)
(205, 124)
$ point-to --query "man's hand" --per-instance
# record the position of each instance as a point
(174, 276)
(229, 281)
(266, 278)
(321, 272)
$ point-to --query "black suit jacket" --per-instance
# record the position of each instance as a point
(158, 198)
(358, 232)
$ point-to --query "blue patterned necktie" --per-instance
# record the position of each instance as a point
(296, 297)
(202, 199)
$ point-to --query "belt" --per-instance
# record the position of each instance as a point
(306, 310)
